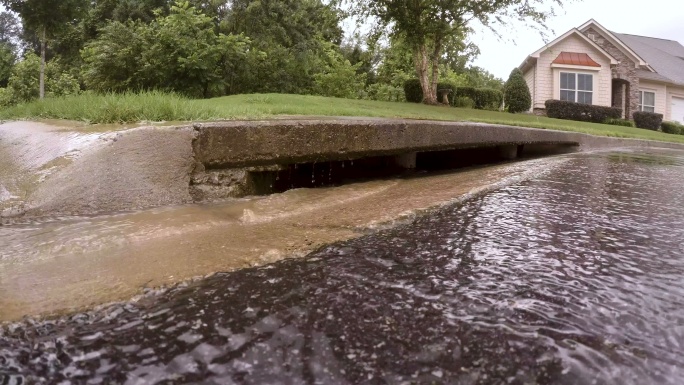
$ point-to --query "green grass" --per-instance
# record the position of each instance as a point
(156, 106)
(114, 108)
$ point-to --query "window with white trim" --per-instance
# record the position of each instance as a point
(647, 101)
(576, 87)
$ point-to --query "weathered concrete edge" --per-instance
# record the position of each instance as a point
(234, 144)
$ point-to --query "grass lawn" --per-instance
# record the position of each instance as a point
(155, 106)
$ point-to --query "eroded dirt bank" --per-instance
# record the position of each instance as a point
(48, 170)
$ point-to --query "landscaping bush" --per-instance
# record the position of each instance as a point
(413, 91)
(648, 120)
(619, 122)
(517, 93)
(465, 92)
(464, 102)
(483, 98)
(581, 112)
(488, 99)
(385, 92)
(672, 128)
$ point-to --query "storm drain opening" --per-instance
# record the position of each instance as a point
(479, 156)
(324, 174)
(335, 173)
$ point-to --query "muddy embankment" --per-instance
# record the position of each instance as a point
(95, 215)
(53, 171)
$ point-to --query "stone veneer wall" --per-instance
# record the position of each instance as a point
(626, 69)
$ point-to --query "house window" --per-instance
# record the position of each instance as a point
(646, 101)
(577, 88)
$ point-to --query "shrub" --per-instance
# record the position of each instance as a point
(413, 91)
(6, 97)
(619, 122)
(517, 94)
(339, 78)
(385, 92)
(464, 102)
(581, 112)
(465, 92)
(672, 128)
(24, 82)
(487, 98)
(648, 120)
(483, 98)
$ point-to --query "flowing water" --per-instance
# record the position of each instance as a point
(573, 276)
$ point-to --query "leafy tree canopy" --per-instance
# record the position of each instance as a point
(426, 25)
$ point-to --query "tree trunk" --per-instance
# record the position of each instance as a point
(435, 65)
(420, 59)
(42, 64)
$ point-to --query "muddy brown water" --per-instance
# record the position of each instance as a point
(68, 264)
(572, 276)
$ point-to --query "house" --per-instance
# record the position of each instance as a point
(592, 65)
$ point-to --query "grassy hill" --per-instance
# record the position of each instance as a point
(155, 106)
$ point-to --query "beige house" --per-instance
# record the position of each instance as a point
(592, 65)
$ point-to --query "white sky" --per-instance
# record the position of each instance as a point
(655, 18)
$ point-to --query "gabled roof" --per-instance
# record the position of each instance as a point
(666, 57)
(606, 34)
(576, 32)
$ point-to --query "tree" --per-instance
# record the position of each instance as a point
(339, 77)
(24, 79)
(10, 29)
(479, 77)
(293, 34)
(7, 60)
(180, 52)
(46, 18)
(517, 94)
(426, 25)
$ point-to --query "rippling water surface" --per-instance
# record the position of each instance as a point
(576, 277)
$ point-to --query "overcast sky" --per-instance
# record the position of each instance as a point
(655, 18)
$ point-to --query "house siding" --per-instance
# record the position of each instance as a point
(662, 100)
(531, 84)
(547, 77)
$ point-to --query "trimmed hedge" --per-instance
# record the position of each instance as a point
(464, 102)
(484, 98)
(619, 122)
(672, 128)
(413, 91)
(648, 120)
(581, 112)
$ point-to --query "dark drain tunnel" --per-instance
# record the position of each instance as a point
(408, 165)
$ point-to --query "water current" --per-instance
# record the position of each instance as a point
(575, 276)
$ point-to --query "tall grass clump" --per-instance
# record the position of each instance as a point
(129, 107)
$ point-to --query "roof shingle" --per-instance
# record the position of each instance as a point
(666, 57)
(576, 59)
